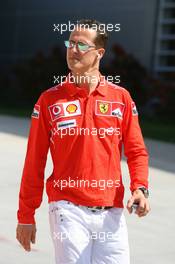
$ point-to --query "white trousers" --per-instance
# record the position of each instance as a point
(84, 237)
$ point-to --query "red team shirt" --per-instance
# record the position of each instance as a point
(85, 134)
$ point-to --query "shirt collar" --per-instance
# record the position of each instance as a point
(73, 89)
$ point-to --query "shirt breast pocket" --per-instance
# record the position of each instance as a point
(110, 126)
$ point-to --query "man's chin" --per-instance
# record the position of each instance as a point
(76, 69)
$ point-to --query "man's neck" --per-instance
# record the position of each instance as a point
(87, 80)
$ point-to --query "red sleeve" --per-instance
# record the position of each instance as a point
(134, 147)
(32, 182)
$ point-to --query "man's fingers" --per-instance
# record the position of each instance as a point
(33, 237)
(25, 240)
(129, 204)
(141, 207)
(26, 244)
(19, 235)
(139, 202)
(147, 209)
(25, 234)
(143, 211)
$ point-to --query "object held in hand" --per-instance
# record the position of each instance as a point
(134, 207)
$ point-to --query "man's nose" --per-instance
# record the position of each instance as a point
(75, 49)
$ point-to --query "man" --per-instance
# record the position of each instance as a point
(84, 121)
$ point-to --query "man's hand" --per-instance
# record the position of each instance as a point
(26, 234)
(143, 204)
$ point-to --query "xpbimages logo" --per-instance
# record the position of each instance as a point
(81, 183)
(69, 26)
(61, 79)
(101, 236)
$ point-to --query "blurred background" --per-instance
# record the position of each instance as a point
(142, 53)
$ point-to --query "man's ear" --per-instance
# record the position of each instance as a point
(101, 52)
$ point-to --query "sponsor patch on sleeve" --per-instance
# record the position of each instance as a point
(134, 109)
(36, 111)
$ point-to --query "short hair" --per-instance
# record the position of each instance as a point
(100, 28)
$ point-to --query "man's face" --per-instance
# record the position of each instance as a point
(81, 61)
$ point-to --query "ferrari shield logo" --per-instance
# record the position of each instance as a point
(103, 107)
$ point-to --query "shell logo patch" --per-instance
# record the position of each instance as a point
(71, 108)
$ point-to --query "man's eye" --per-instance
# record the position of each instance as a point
(82, 44)
(72, 42)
